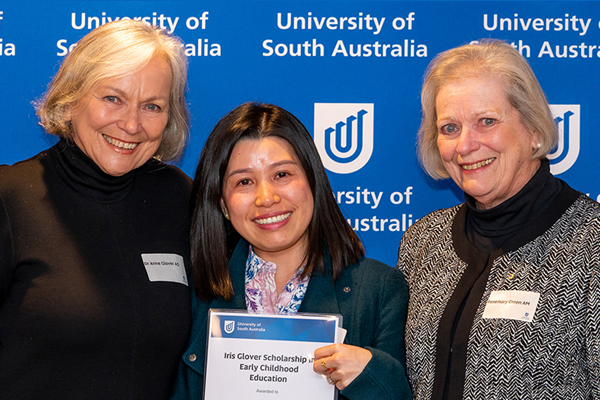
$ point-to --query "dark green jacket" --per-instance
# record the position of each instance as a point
(372, 298)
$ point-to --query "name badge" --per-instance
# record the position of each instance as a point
(165, 268)
(512, 304)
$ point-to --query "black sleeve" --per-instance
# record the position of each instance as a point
(6, 252)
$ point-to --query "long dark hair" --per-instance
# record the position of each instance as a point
(213, 238)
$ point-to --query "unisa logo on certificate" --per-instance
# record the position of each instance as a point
(228, 326)
(344, 135)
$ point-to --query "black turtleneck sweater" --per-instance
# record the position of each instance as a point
(480, 236)
(79, 317)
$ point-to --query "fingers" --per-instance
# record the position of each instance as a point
(340, 363)
(320, 366)
(326, 351)
(322, 358)
(323, 364)
(331, 380)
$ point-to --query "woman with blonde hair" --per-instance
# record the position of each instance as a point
(94, 300)
(504, 288)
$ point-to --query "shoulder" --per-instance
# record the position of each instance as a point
(22, 167)
(432, 234)
(430, 229)
(168, 176)
(370, 273)
(589, 207)
(582, 215)
(578, 208)
(580, 223)
(160, 170)
(374, 268)
(438, 218)
(21, 175)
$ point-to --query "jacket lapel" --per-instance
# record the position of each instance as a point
(320, 295)
(237, 271)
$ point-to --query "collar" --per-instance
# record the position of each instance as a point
(320, 295)
(81, 174)
(489, 229)
(534, 228)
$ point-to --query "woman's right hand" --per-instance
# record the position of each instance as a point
(341, 363)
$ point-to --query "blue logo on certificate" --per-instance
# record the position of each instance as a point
(300, 328)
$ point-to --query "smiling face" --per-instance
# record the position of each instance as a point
(120, 123)
(483, 144)
(268, 198)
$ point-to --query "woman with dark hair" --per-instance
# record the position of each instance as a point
(268, 237)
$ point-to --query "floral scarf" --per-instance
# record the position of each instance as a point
(261, 292)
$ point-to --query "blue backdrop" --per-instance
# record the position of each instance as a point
(341, 67)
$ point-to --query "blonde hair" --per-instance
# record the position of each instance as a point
(488, 57)
(112, 51)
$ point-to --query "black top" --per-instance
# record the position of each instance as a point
(480, 236)
(79, 316)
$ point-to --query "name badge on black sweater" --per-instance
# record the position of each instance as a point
(165, 268)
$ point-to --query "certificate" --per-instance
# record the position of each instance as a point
(260, 356)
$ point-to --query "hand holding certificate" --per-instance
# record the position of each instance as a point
(341, 363)
(250, 355)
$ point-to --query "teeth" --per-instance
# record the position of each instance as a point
(118, 143)
(478, 165)
(272, 220)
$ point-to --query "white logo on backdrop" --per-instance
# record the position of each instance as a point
(344, 135)
(567, 118)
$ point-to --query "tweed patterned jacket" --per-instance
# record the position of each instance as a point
(557, 354)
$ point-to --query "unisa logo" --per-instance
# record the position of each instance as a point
(344, 135)
(565, 154)
(229, 326)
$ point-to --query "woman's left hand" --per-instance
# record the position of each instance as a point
(341, 363)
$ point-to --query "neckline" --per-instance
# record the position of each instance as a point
(489, 229)
(83, 176)
(535, 227)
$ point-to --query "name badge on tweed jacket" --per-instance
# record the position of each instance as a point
(511, 304)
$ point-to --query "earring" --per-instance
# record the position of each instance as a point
(539, 145)
(226, 214)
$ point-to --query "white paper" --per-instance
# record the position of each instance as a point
(258, 356)
(165, 268)
(512, 304)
